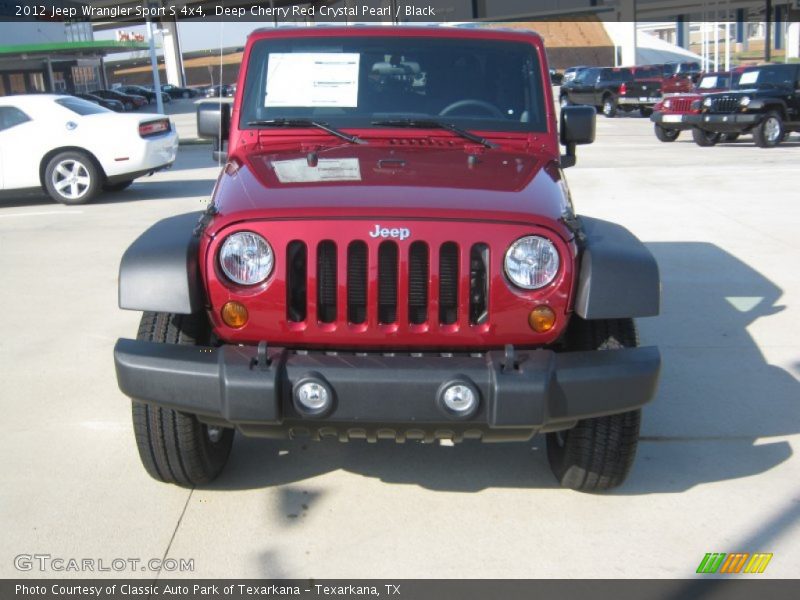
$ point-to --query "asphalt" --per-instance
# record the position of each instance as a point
(716, 469)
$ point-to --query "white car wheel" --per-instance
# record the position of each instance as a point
(71, 178)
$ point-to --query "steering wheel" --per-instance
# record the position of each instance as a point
(490, 108)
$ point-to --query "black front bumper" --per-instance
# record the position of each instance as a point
(725, 123)
(395, 394)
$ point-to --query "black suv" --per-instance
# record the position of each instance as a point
(765, 102)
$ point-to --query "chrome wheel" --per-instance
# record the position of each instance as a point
(772, 130)
(71, 179)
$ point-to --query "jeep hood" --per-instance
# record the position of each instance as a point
(416, 178)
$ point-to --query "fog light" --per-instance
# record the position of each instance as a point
(312, 396)
(234, 314)
(542, 319)
(459, 398)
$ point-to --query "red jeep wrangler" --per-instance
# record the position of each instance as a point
(390, 252)
(670, 115)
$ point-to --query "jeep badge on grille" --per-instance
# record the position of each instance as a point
(400, 233)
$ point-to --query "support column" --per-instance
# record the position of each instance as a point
(682, 32)
(778, 20)
(741, 41)
(173, 58)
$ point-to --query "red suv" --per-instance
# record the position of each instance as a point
(390, 252)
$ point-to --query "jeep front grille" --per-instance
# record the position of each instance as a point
(403, 290)
(681, 105)
(724, 104)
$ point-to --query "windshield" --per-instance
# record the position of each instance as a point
(353, 81)
(709, 82)
(778, 75)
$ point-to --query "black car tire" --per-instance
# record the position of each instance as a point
(609, 107)
(596, 454)
(645, 112)
(65, 165)
(770, 131)
(176, 447)
(666, 135)
(705, 138)
(117, 187)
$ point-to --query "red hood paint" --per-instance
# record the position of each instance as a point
(420, 177)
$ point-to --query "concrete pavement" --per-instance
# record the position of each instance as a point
(716, 470)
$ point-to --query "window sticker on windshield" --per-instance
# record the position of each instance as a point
(748, 78)
(327, 169)
(708, 82)
(313, 80)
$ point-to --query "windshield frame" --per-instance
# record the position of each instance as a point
(252, 95)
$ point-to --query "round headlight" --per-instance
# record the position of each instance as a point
(744, 101)
(531, 262)
(246, 258)
(707, 102)
(667, 103)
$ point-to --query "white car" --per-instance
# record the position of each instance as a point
(73, 148)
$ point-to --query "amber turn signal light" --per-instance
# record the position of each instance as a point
(542, 319)
(234, 314)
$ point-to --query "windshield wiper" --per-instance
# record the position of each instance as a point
(434, 124)
(307, 123)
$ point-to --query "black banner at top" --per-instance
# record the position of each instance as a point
(345, 12)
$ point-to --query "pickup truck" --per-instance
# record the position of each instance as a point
(765, 102)
(391, 251)
(610, 89)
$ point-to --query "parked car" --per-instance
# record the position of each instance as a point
(217, 91)
(765, 102)
(73, 148)
(129, 101)
(178, 92)
(114, 105)
(389, 272)
(140, 90)
(669, 116)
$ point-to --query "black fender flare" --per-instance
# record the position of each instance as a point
(159, 271)
(618, 275)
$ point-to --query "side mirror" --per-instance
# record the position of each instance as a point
(577, 127)
(213, 121)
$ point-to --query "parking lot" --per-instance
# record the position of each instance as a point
(716, 469)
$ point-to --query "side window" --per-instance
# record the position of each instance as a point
(11, 116)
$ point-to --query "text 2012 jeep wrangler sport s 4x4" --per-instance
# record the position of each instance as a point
(390, 252)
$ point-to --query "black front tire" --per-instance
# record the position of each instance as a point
(770, 132)
(666, 135)
(596, 454)
(176, 447)
(706, 139)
